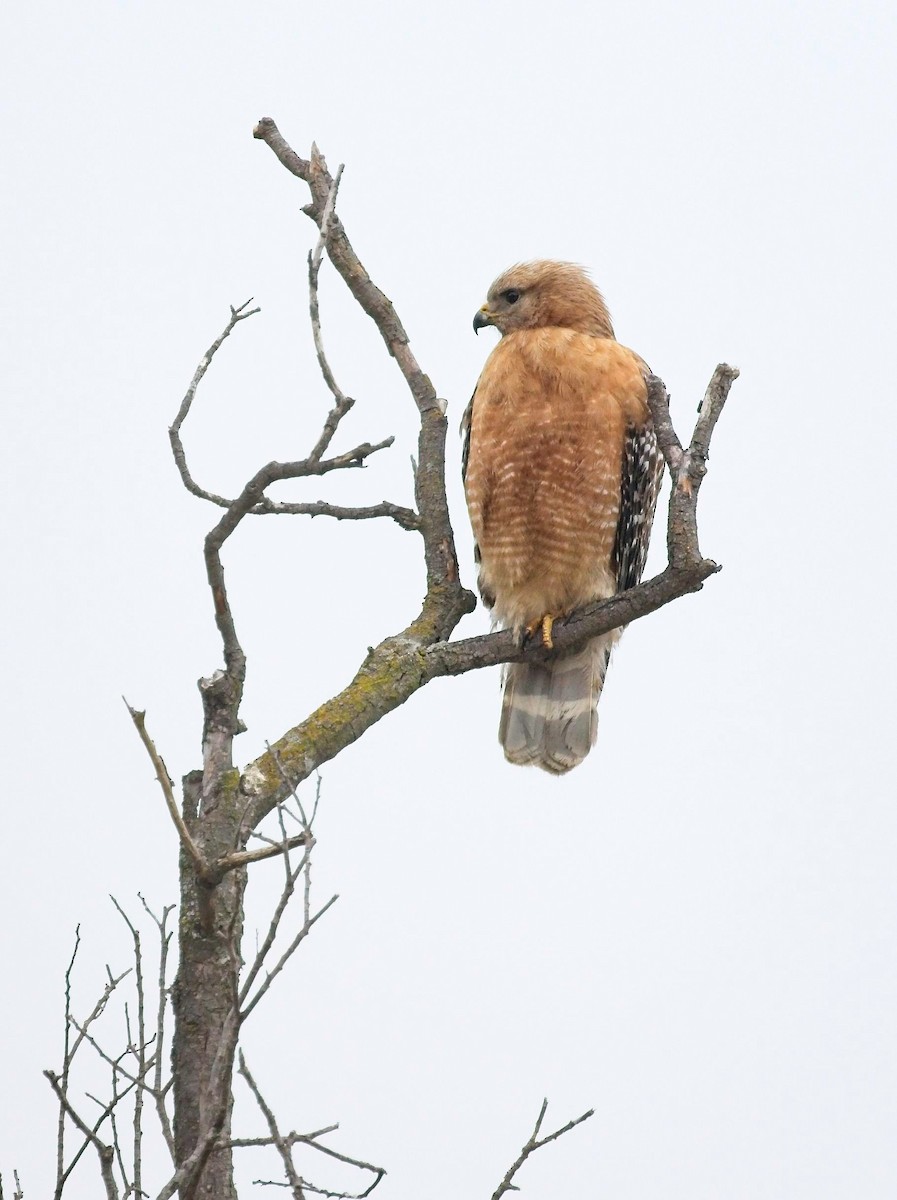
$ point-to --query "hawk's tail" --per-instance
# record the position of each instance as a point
(548, 713)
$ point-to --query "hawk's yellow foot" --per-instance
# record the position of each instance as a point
(544, 626)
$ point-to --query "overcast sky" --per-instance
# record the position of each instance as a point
(695, 931)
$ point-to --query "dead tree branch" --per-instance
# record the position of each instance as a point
(136, 1072)
(158, 1091)
(532, 1144)
(106, 1153)
(174, 433)
(139, 1052)
(283, 1149)
(139, 719)
(66, 1066)
(405, 518)
(18, 1194)
(284, 1144)
(292, 874)
(439, 546)
(342, 402)
(310, 466)
(240, 858)
(687, 470)
(285, 957)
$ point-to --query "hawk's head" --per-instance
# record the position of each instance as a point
(537, 294)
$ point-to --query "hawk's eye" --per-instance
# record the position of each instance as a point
(512, 295)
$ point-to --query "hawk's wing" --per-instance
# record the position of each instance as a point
(640, 479)
(466, 422)
(465, 436)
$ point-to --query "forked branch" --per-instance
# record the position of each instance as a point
(284, 1143)
(174, 433)
(532, 1144)
(105, 1152)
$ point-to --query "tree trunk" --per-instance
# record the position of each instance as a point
(205, 994)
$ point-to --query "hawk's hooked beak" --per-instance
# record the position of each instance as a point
(482, 319)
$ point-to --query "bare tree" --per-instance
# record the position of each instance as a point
(222, 808)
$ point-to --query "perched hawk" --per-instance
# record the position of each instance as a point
(561, 471)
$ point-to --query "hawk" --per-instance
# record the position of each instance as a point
(561, 471)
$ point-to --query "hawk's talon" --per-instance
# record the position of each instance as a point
(547, 622)
(543, 625)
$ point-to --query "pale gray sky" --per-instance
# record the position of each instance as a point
(695, 932)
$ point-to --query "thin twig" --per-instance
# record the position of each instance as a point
(116, 1141)
(174, 432)
(66, 1067)
(342, 402)
(140, 1054)
(291, 875)
(158, 1092)
(240, 858)
(286, 956)
(284, 841)
(406, 518)
(534, 1143)
(273, 925)
(112, 983)
(283, 1148)
(139, 719)
(243, 1143)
